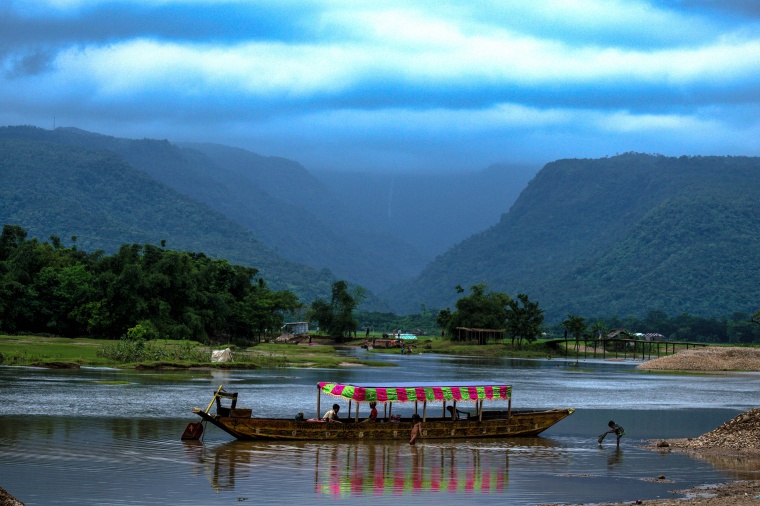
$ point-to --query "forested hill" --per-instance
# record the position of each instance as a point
(617, 236)
(276, 199)
(53, 189)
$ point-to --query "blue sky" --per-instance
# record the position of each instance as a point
(393, 85)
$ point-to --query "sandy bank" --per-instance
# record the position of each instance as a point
(708, 359)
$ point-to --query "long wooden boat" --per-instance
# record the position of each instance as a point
(239, 422)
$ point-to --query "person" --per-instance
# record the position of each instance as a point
(416, 429)
(372, 413)
(614, 429)
(455, 414)
(332, 415)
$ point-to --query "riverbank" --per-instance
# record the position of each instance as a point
(708, 359)
(65, 353)
(735, 447)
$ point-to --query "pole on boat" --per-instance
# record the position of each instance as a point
(214, 398)
(480, 411)
(319, 398)
(349, 410)
(390, 409)
(415, 407)
(424, 411)
(385, 410)
(357, 413)
(443, 415)
(509, 408)
(454, 411)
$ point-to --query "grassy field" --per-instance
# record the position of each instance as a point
(64, 352)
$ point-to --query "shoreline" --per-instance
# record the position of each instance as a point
(733, 447)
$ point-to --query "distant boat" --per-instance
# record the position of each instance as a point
(239, 422)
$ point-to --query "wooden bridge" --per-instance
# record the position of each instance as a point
(633, 348)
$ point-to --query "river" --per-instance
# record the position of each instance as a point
(104, 436)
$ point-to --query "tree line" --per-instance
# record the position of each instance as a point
(522, 321)
(47, 288)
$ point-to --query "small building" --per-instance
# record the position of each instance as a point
(296, 328)
(480, 335)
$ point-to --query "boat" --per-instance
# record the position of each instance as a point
(447, 423)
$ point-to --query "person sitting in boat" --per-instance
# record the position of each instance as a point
(372, 413)
(455, 414)
(332, 415)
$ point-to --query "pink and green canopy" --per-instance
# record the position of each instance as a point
(417, 392)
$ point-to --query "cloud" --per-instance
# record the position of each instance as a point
(398, 81)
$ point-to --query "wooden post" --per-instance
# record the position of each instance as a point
(480, 411)
(356, 419)
(509, 408)
(390, 409)
(385, 410)
(443, 415)
(349, 410)
(319, 398)
(454, 411)
(415, 407)
(424, 411)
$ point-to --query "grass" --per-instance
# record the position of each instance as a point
(504, 349)
(164, 354)
(34, 350)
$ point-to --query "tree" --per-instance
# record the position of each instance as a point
(575, 326)
(523, 322)
(337, 317)
(443, 318)
(480, 309)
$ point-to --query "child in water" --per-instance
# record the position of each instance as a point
(616, 429)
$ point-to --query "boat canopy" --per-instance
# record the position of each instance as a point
(417, 392)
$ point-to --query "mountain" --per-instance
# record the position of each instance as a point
(306, 222)
(431, 211)
(616, 236)
(276, 199)
(93, 194)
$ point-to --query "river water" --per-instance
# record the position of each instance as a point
(104, 436)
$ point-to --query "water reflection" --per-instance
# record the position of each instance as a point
(375, 469)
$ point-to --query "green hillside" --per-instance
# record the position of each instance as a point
(622, 235)
(53, 189)
(276, 199)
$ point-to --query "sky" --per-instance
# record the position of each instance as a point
(395, 86)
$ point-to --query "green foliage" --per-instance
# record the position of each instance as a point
(143, 292)
(337, 317)
(480, 310)
(622, 235)
(523, 322)
(114, 191)
(133, 348)
(575, 326)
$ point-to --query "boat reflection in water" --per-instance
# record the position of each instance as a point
(350, 470)
(381, 470)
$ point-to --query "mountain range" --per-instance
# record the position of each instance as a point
(622, 235)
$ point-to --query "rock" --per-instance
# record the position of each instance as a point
(8, 500)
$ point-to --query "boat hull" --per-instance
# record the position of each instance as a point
(520, 423)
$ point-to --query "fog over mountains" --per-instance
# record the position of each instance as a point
(621, 235)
